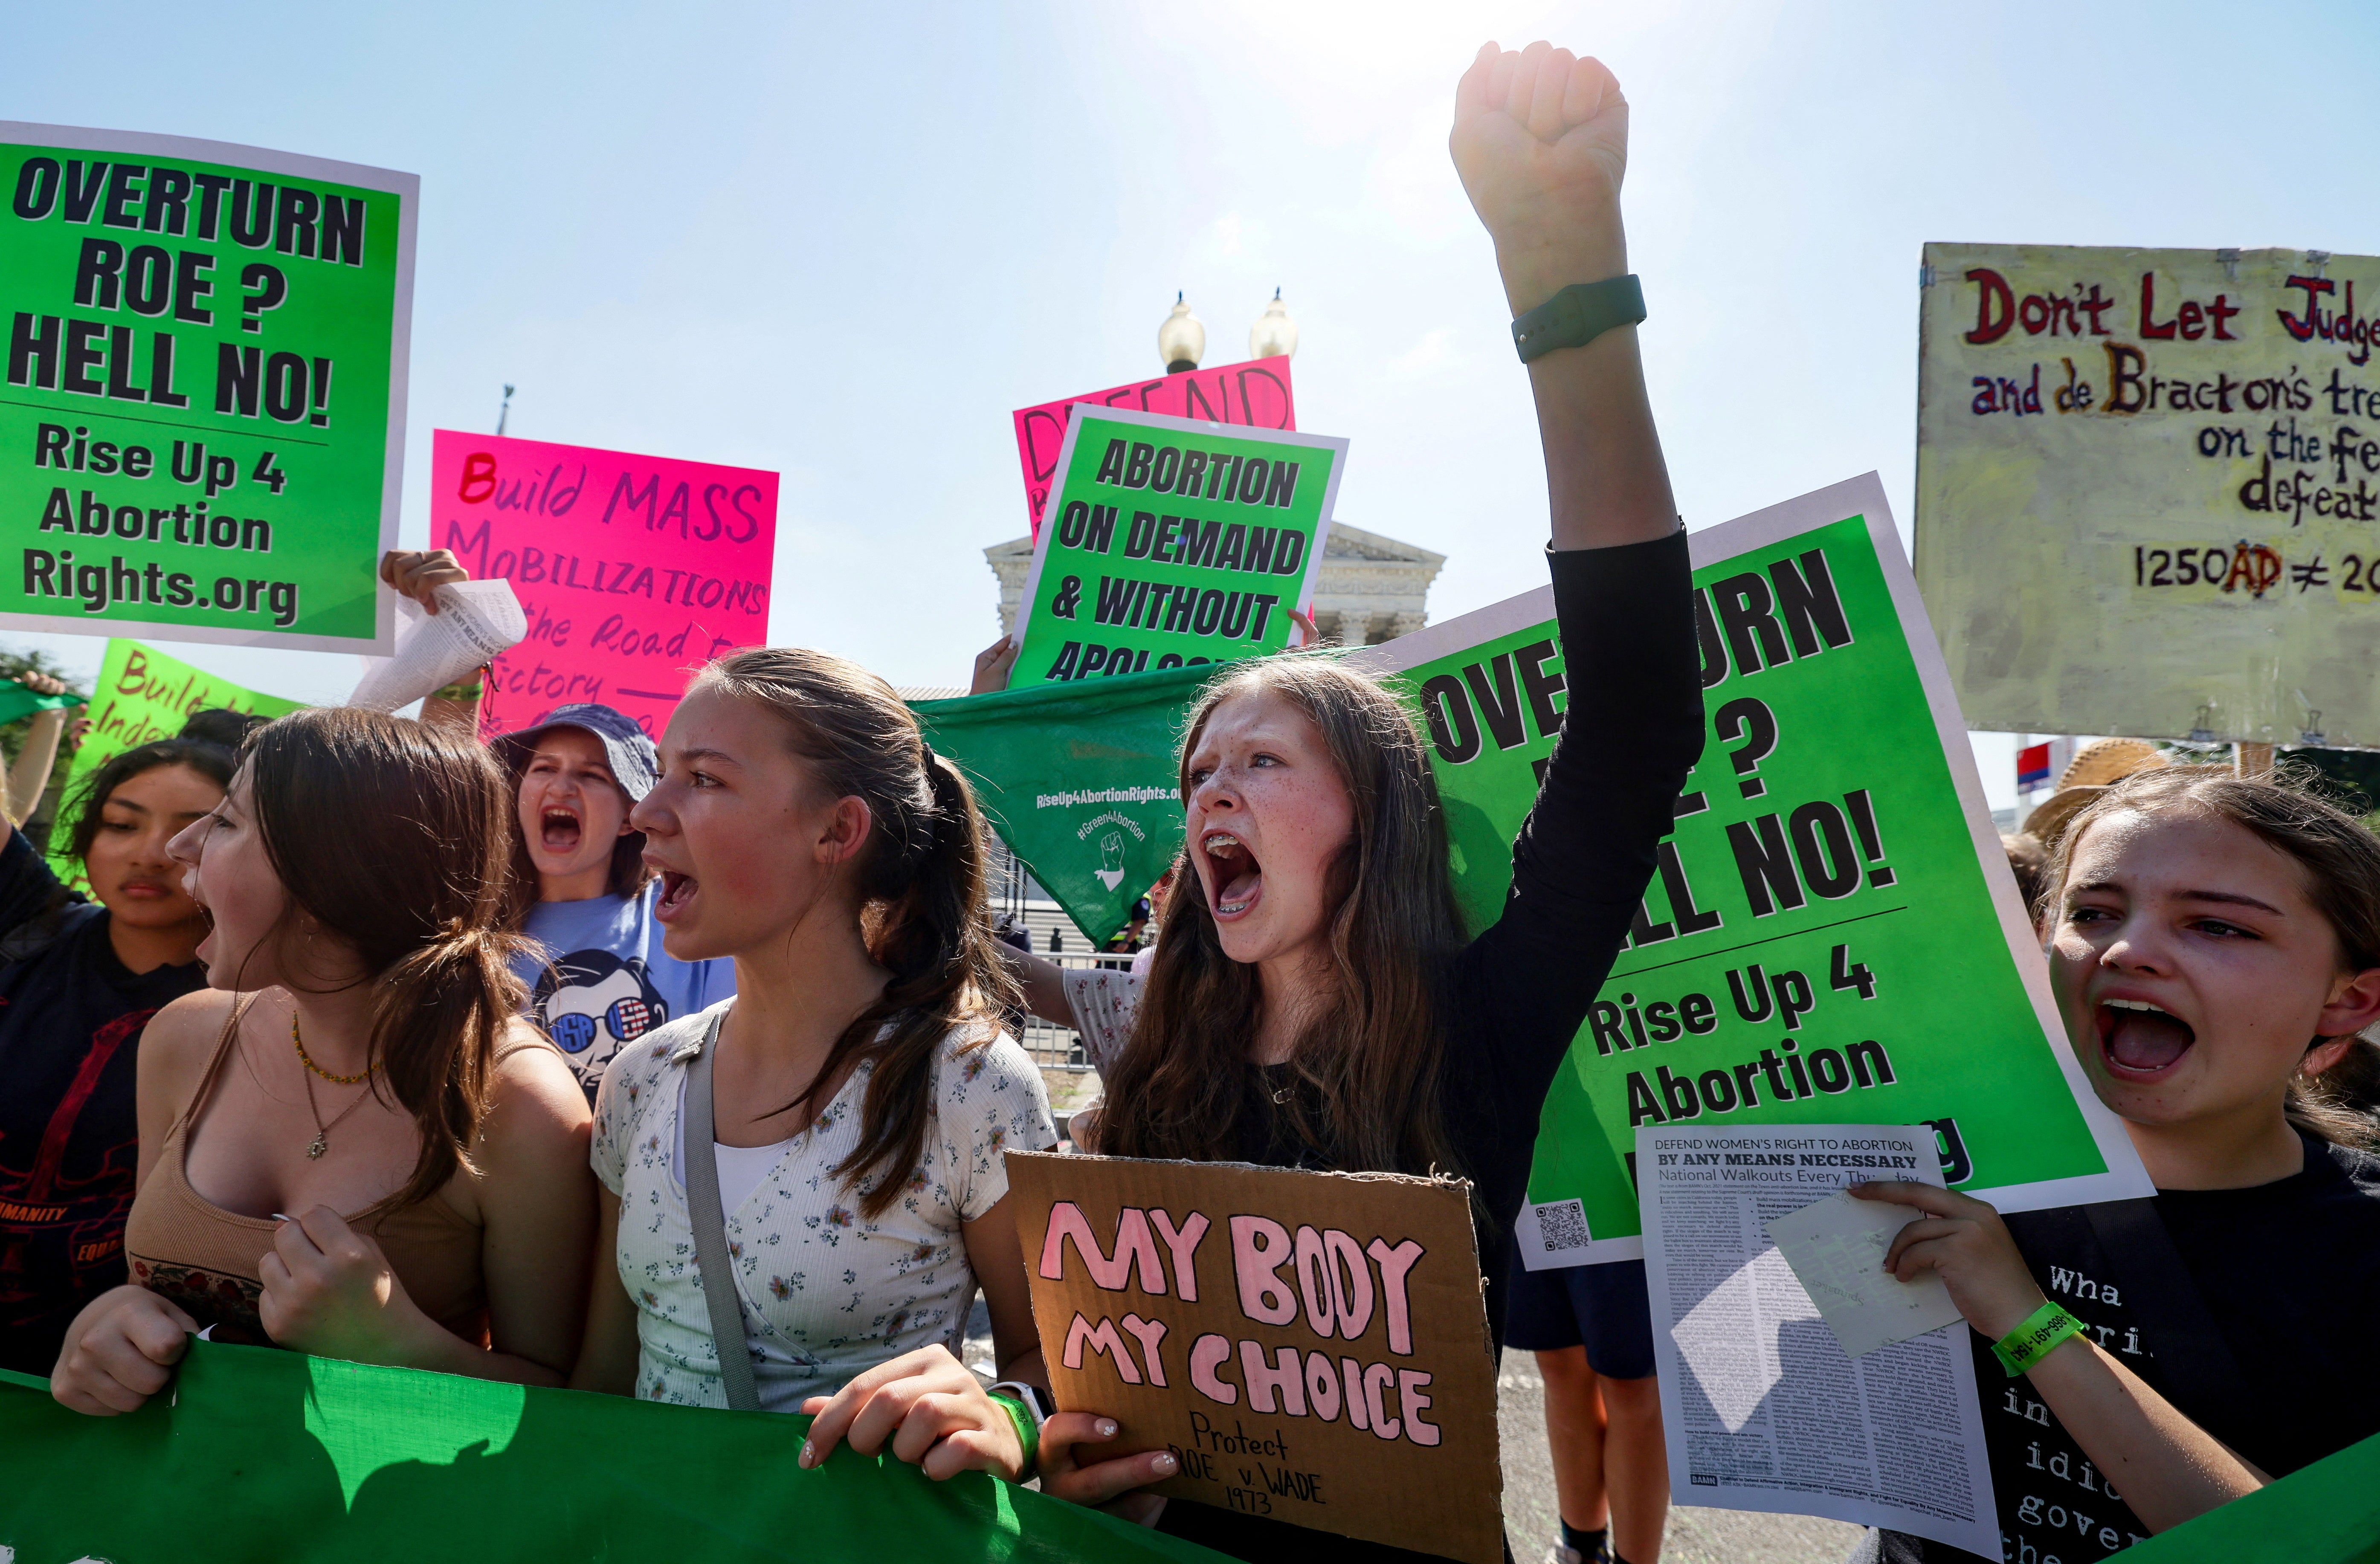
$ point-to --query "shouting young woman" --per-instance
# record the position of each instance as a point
(2214, 947)
(834, 1132)
(350, 1144)
(1315, 999)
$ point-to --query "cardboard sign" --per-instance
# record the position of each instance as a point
(1311, 1346)
(142, 695)
(1832, 934)
(204, 415)
(633, 571)
(1173, 543)
(1256, 393)
(2148, 488)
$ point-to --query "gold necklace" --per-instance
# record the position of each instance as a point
(321, 1141)
(308, 1059)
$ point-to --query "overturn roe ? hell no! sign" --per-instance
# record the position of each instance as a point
(1312, 1347)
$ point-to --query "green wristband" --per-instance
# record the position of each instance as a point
(2032, 1342)
(1026, 1433)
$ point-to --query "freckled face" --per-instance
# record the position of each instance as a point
(732, 828)
(1268, 813)
(2191, 968)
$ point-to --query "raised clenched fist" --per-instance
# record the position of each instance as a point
(1540, 140)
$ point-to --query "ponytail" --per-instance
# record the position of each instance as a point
(395, 837)
(921, 896)
(439, 1016)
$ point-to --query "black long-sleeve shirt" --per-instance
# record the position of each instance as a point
(1517, 994)
(70, 1021)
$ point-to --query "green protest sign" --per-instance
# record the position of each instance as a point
(1079, 780)
(203, 427)
(1832, 936)
(257, 1453)
(142, 695)
(2326, 1513)
(1173, 542)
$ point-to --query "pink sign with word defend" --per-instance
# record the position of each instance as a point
(1256, 393)
(633, 571)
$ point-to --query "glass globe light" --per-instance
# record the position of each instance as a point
(1182, 340)
(1274, 334)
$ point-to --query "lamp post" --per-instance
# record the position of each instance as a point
(1181, 339)
(1274, 334)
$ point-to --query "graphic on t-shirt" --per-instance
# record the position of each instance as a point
(591, 1003)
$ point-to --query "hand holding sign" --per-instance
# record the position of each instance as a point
(1305, 1346)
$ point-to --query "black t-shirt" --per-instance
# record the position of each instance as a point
(2288, 1276)
(70, 1021)
(1515, 996)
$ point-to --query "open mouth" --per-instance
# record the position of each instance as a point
(559, 830)
(1234, 878)
(677, 895)
(2139, 1040)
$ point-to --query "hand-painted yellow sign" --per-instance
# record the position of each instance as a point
(2148, 489)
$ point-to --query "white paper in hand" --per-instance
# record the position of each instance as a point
(475, 621)
(1837, 1249)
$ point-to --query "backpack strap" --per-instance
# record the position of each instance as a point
(728, 1338)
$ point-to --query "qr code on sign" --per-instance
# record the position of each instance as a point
(1562, 1225)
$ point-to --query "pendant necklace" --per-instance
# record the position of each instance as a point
(321, 1141)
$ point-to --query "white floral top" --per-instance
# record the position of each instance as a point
(827, 1292)
(1105, 1004)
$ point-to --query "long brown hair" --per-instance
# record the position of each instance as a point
(2341, 859)
(394, 836)
(920, 894)
(1372, 1051)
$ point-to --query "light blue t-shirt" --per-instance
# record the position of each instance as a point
(604, 981)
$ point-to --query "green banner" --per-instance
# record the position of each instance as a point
(1172, 542)
(2326, 1513)
(1832, 935)
(203, 429)
(140, 695)
(1079, 780)
(259, 1454)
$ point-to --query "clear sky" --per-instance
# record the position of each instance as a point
(844, 242)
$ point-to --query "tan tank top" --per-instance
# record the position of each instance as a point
(204, 1258)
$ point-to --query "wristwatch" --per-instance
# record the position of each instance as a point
(1578, 315)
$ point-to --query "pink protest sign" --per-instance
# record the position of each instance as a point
(635, 571)
(1256, 393)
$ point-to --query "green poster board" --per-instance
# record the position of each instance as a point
(1079, 780)
(261, 1454)
(1833, 935)
(202, 423)
(142, 695)
(1171, 542)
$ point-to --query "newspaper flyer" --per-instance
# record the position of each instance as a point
(1760, 1405)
